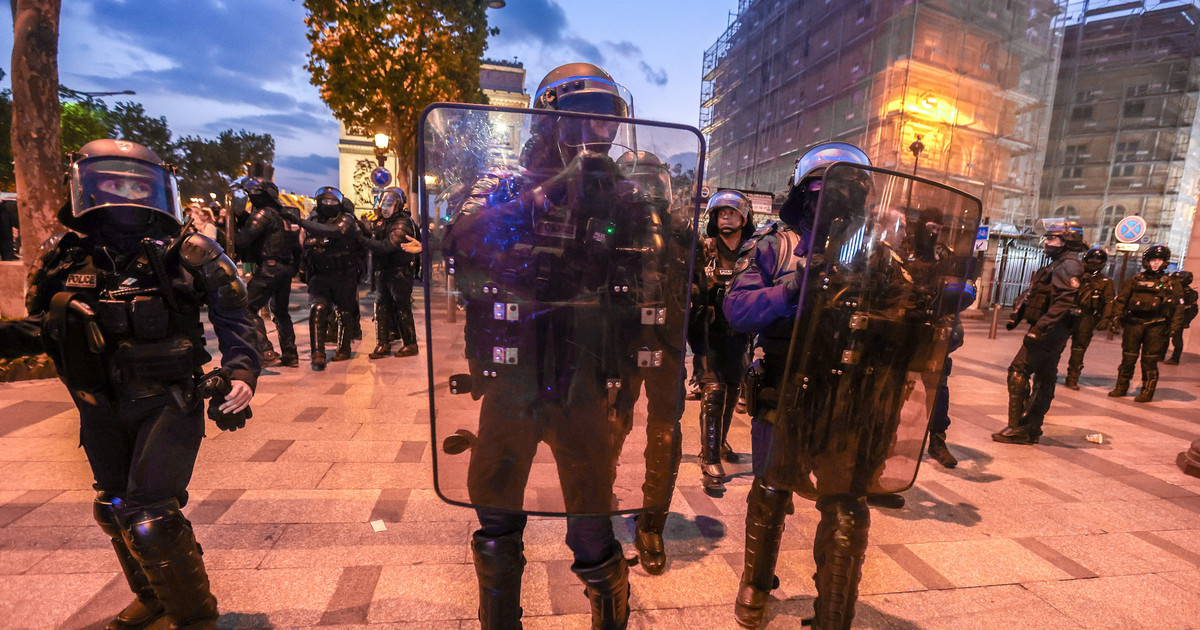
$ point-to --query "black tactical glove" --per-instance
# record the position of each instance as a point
(227, 421)
(216, 386)
(1010, 325)
(290, 214)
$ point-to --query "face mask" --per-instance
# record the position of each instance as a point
(1052, 250)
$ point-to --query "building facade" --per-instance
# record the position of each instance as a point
(1125, 138)
(972, 81)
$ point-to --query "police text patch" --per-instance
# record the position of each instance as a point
(83, 280)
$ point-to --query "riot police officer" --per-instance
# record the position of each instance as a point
(1049, 306)
(663, 434)
(840, 361)
(119, 300)
(395, 243)
(332, 259)
(1184, 279)
(546, 367)
(274, 245)
(924, 248)
(1150, 308)
(723, 351)
(1095, 310)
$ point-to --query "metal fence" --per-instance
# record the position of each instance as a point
(1016, 262)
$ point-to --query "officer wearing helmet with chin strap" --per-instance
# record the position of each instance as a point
(762, 298)
(332, 258)
(500, 237)
(1184, 279)
(1095, 310)
(1050, 308)
(274, 245)
(118, 301)
(723, 351)
(396, 244)
(1150, 307)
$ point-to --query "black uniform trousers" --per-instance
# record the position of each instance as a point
(143, 450)
(336, 290)
(1149, 340)
(1081, 338)
(272, 284)
(395, 288)
(1039, 358)
(725, 361)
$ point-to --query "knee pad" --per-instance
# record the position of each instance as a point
(1018, 382)
(153, 526)
(320, 311)
(714, 389)
(104, 510)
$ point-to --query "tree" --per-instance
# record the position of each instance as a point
(37, 153)
(210, 166)
(129, 121)
(379, 63)
(81, 123)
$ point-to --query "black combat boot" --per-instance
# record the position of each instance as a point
(712, 407)
(317, 322)
(938, 450)
(1124, 375)
(1148, 387)
(383, 333)
(145, 609)
(839, 550)
(1018, 402)
(1019, 435)
(290, 357)
(162, 542)
(345, 337)
(1074, 367)
(648, 539)
(663, 450)
(499, 564)
(608, 590)
(766, 509)
(727, 452)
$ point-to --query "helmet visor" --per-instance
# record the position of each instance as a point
(593, 103)
(105, 181)
(389, 204)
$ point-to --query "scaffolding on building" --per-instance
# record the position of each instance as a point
(1124, 138)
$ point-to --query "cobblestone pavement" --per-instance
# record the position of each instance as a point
(1065, 534)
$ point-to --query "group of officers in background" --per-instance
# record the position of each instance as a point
(1068, 300)
(117, 303)
(331, 257)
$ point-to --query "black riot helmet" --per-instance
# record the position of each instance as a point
(729, 200)
(926, 231)
(1183, 277)
(1069, 231)
(120, 187)
(263, 193)
(393, 201)
(1156, 252)
(1095, 259)
(581, 87)
(649, 172)
(805, 184)
(329, 202)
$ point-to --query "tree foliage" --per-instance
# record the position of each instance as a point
(81, 123)
(379, 63)
(210, 166)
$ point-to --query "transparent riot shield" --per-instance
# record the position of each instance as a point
(568, 247)
(887, 259)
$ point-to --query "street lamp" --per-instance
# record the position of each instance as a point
(381, 147)
(88, 96)
(496, 4)
(916, 147)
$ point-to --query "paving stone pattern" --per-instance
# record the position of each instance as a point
(1066, 534)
